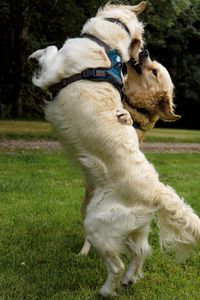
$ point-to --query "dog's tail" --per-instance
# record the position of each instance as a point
(45, 58)
(179, 225)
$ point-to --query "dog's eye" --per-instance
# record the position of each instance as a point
(154, 71)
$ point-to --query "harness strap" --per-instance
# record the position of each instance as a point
(86, 74)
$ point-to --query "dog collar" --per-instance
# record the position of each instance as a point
(117, 21)
(112, 75)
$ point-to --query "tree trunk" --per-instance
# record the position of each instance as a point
(19, 40)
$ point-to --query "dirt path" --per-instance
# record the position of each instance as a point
(171, 147)
(12, 145)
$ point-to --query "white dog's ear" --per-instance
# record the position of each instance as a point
(37, 54)
(44, 55)
(165, 109)
(139, 8)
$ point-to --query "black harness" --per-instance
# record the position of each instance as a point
(112, 75)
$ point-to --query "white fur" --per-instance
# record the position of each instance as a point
(127, 190)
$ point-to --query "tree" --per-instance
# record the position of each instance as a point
(26, 26)
(172, 34)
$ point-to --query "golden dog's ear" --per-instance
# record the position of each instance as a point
(139, 8)
(165, 108)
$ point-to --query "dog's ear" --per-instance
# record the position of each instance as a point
(43, 55)
(165, 108)
(36, 55)
(139, 8)
(135, 47)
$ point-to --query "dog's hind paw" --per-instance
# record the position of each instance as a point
(126, 280)
(124, 117)
(106, 293)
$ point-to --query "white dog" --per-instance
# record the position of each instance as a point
(127, 190)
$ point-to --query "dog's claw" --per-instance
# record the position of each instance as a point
(124, 117)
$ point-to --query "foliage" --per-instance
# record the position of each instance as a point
(172, 34)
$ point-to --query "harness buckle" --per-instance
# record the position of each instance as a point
(88, 73)
(93, 73)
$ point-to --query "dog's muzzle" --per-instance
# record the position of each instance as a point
(143, 55)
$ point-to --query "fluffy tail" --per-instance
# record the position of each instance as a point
(179, 225)
(45, 58)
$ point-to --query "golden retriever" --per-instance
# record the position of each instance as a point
(127, 191)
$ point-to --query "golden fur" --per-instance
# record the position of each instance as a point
(149, 95)
(126, 188)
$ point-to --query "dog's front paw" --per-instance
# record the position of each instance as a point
(124, 117)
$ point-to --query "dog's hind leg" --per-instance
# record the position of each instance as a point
(139, 247)
(115, 269)
(109, 248)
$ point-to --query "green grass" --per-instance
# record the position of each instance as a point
(41, 233)
(33, 130)
(173, 135)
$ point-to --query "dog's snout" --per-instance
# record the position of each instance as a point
(144, 54)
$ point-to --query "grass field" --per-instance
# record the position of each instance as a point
(32, 130)
(41, 233)
(29, 130)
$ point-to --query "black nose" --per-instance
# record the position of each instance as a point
(144, 54)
